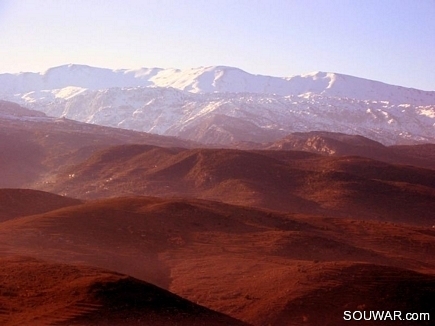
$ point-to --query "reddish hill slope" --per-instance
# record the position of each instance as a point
(22, 202)
(279, 180)
(34, 146)
(361, 288)
(339, 144)
(34, 292)
(247, 263)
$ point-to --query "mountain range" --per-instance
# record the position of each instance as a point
(108, 226)
(223, 105)
(316, 172)
(211, 196)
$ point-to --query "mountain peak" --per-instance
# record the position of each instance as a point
(222, 68)
(213, 79)
(234, 103)
(318, 74)
(67, 67)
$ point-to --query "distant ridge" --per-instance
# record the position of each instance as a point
(212, 79)
(33, 145)
(339, 144)
(222, 105)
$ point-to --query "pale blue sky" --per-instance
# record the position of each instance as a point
(388, 40)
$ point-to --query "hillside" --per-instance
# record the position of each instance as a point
(339, 144)
(254, 265)
(80, 295)
(279, 180)
(21, 202)
(146, 229)
(34, 146)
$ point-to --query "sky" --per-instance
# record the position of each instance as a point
(386, 40)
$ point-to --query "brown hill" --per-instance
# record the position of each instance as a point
(251, 264)
(33, 146)
(328, 250)
(330, 143)
(10, 109)
(279, 180)
(344, 290)
(339, 144)
(34, 292)
(20, 159)
(419, 155)
(22, 202)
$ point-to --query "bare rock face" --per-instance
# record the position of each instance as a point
(329, 143)
(339, 144)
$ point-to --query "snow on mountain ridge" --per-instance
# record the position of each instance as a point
(199, 103)
(170, 111)
(213, 79)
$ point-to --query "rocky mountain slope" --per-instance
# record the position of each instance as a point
(338, 144)
(224, 105)
(213, 79)
(80, 160)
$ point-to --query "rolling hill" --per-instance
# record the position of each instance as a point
(338, 144)
(34, 146)
(21, 202)
(79, 295)
(255, 265)
(291, 181)
(293, 232)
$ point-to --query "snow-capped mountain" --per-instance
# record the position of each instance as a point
(224, 104)
(216, 79)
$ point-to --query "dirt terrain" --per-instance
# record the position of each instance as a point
(35, 292)
(100, 226)
(33, 146)
(287, 181)
(258, 266)
(339, 144)
(21, 202)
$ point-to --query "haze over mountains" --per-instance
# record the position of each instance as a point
(254, 211)
(34, 145)
(88, 161)
(225, 105)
